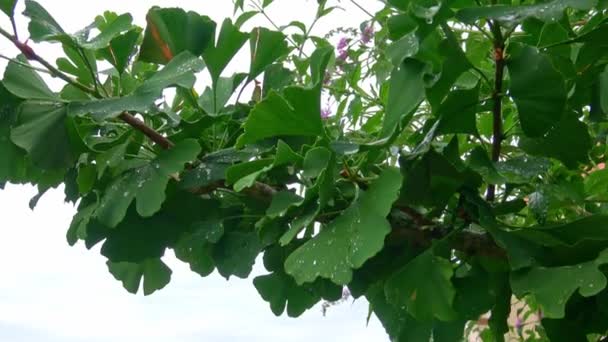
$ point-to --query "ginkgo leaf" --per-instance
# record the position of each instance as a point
(351, 239)
(424, 286)
(171, 31)
(154, 272)
(146, 183)
(553, 286)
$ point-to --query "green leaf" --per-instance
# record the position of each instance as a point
(195, 246)
(315, 161)
(121, 49)
(297, 113)
(281, 202)
(228, 44)
(178, 72)
(405, 47)
(39, 126)
(12, 163)
(42, 26)
(146, 183)
(547, 11)
(457, 114)
(539, 108)
(171, 31)
(8, 7)
(351, 239)
(405, 94)
(154, 272)
(604, 90)
(25, 83)
(568, 142)
(121, 24)
(266, 47)
(553, 286)
(281, 291)
(235, 254)
(223, 90)
(424, 286)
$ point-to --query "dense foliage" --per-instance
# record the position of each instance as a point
(445, 162)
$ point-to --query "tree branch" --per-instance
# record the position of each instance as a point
(497, 129)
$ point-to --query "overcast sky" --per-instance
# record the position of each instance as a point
(52, 292)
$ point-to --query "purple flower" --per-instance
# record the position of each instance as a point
(343, 55)
(325, 113)
(367, 34)
(343, 43)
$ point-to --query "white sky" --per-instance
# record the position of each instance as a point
(52, 292)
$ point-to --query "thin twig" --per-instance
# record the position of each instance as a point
(363, 9)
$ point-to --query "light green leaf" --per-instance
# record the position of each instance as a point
(547, 11)
(424, 286)
(25, 83)
(405, 47)
(266, 47)
(41, 126)
(224, 88)
(228, 44)
(351, 239)
(154, 272)
(315, 161)
(179, 72)
(297, 113)
(42, 26)
(146, 183)
(121, 24)
(405, 94)
(539, 108)
(553, 286)
(171, 31)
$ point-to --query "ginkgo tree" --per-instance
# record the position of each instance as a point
(442, 160)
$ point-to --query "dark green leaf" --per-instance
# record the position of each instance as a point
(41, 127)
(8, 7)
(540, 108)
(154, 272)
(552, 287)
(568, 142)
(146, 183)
(424, 286)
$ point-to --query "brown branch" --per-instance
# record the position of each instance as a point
(497, 129)
(134, 122)
(146, 130)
